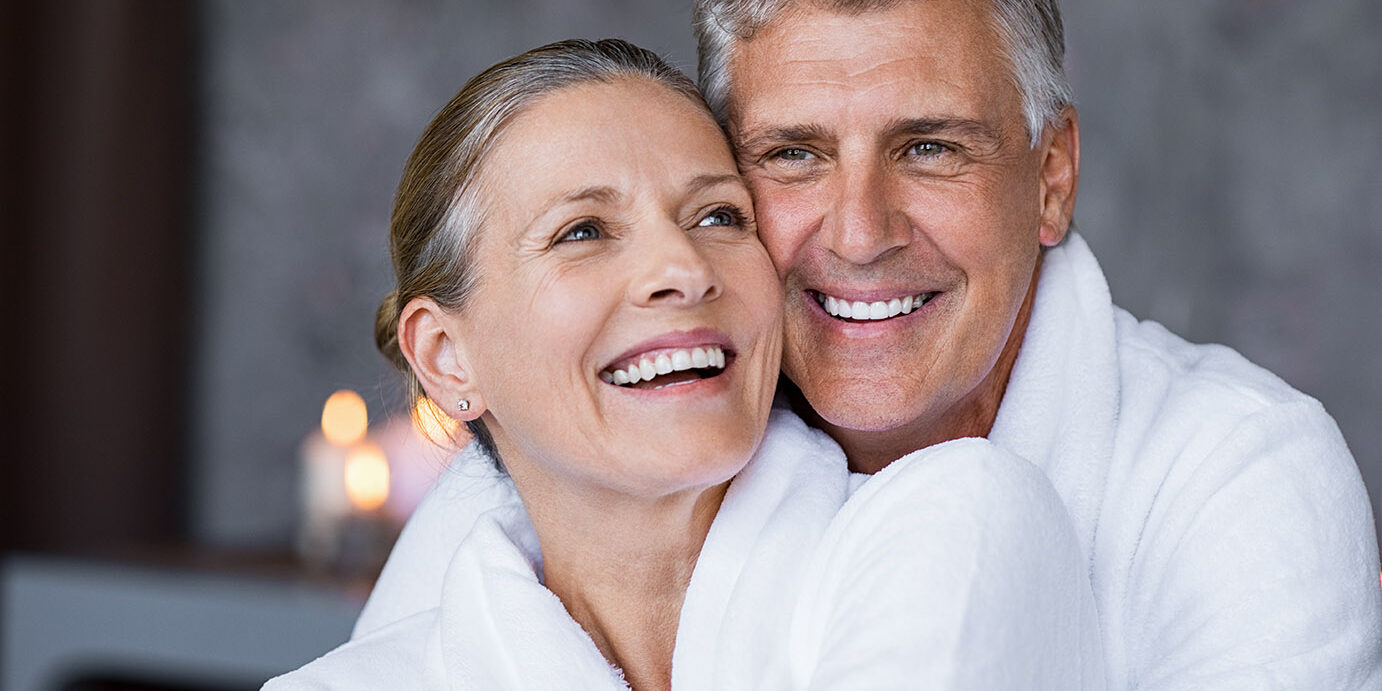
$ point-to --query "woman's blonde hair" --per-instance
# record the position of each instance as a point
(437, 210)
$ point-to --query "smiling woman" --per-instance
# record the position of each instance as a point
(580, 280)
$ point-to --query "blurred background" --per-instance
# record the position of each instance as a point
(195, 199)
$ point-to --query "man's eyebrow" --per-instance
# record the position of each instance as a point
(980, 132)
(787, 134)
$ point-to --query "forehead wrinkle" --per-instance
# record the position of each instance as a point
(900, 61)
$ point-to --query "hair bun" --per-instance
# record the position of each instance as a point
(386, 332)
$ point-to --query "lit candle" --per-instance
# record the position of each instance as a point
(325, 454)
(365, 534)
(367, 477)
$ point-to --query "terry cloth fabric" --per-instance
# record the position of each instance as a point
(956, 568)
(1229, 536)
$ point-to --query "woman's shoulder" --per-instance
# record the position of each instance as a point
(394, 656)
(410, 582)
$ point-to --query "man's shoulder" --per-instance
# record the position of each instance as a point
(1194, 419)
(1234, 508)
(1164, 375)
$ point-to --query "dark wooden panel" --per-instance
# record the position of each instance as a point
(99, 100)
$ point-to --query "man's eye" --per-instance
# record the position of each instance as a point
(794, 154)
(927, 149)
(724, 216)
(584, 231)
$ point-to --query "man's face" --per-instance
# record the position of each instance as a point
(901, 202)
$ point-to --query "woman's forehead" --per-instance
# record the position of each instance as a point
(601, 141)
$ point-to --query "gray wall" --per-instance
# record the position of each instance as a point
(1230, 187)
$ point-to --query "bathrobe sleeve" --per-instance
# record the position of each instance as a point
(1260, 569)
(401, 655)
(956, 567)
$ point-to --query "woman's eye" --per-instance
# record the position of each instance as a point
(927, 149)
(584, 231)
(793, 154)
(719, 217)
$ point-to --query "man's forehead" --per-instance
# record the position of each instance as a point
(935, 59)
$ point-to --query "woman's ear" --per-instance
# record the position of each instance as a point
(430, 340)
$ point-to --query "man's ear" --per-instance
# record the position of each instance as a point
(431, 341)
(1060, 176)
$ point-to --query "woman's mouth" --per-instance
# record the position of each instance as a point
(664, 367)
(858, 310)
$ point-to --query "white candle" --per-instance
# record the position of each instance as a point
(323, 456)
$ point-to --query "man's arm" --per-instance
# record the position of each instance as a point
(1261, 571)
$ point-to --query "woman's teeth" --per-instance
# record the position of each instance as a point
(869, 311)
(645, 368)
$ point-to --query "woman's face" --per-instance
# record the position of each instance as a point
(625, 331)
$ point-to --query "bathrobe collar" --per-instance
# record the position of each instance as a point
(1060, 410)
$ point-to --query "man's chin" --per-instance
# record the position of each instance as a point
(863, 409)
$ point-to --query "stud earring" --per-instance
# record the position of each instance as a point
(464, 405)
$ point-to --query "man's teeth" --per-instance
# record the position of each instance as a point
(868, 311)
(646, 368)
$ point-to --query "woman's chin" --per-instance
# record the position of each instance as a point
(683, 459)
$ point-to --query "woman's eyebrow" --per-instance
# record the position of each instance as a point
(704, 182)
(599, 193)
(603, 194)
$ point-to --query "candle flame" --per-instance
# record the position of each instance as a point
(367, 477)
(344, 418)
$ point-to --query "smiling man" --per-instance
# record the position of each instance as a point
(914, 167)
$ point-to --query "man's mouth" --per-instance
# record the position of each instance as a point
(858, 310)
(656, 369)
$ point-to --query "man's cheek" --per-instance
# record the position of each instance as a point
(784, 226)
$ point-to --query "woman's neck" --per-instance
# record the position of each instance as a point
(621, 567)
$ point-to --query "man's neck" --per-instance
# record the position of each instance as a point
(870, 451)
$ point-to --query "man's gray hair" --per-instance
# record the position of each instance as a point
(1031, 33)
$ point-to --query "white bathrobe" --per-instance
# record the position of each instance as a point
(1230, 538)
(1227, 531)
(955, 568)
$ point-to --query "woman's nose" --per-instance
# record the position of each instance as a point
(673, 271)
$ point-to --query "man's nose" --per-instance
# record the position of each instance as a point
(673, 271)
(862, 226)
